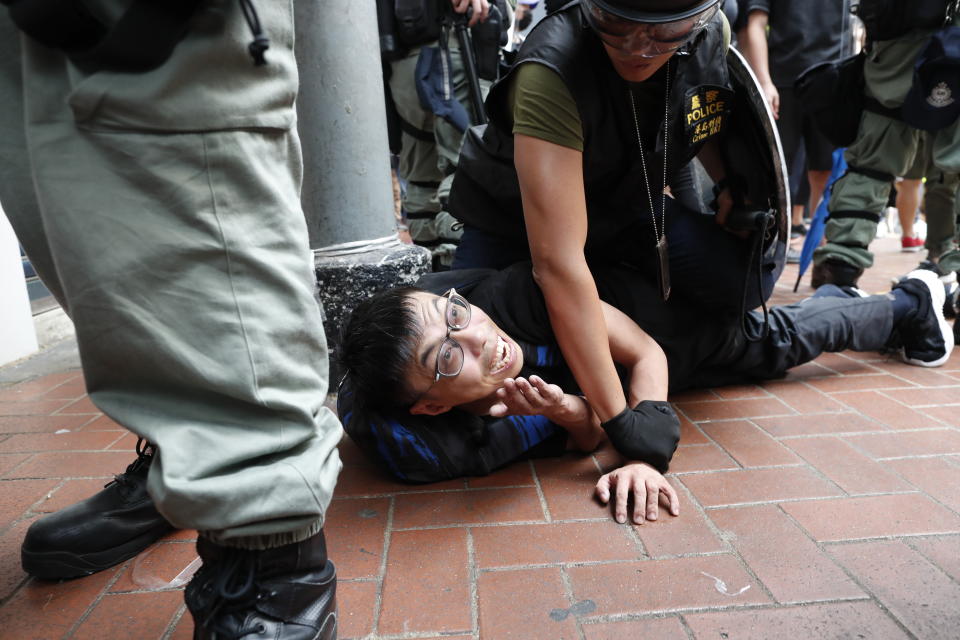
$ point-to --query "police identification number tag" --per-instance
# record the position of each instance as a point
(705, 110)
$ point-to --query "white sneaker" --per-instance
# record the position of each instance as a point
(927, 337)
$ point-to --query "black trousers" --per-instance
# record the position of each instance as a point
(798, 333)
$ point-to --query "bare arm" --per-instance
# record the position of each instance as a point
(555, 214)
(629, 346)
(632, 347)
(753, 43)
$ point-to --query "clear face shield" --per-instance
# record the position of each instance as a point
(647, 38)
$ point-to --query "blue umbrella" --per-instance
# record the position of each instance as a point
(815, 232)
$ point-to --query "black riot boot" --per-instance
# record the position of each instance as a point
(835, 271)
(285, 593)
(99, 532)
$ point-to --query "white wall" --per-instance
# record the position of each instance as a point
(17, 335)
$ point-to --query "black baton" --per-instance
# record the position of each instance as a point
(470, 67)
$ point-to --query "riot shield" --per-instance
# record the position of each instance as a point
(752, 152)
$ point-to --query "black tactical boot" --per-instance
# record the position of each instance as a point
(285, 593)
(833, 271)
(99, 532)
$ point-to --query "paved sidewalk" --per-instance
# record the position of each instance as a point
(824, 505)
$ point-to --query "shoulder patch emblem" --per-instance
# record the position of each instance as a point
(940, 96)
(705, 109)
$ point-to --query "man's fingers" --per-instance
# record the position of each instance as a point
(603, 488)
(640, 494)
(551, 393)
(498, 410)
(653, 507)
(620, 506)
(519, 403)
(512, 393)
(672, 499)
(530, 393)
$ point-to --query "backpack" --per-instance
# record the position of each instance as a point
(933, 101)
(889, 19)
(832, 94)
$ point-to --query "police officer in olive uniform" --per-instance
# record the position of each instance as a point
(152, 172)
(940, 206)
(430, 143)
(885, 146)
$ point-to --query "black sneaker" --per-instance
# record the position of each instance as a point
(926, 338)
(105, 529)
(797, 230)
(286, 593)
(834, 271)
(952, 294)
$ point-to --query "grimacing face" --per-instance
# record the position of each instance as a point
(489, 357)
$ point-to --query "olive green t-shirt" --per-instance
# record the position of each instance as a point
(542, 106)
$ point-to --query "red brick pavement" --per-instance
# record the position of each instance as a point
(823, 505)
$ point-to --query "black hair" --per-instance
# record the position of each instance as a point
(377, 347)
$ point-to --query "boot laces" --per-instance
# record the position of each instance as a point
(231, 587)
(124, 481)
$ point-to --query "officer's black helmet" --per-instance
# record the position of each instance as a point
(653, 11)
(648, 28)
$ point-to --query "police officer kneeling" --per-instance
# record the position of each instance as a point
(601, 115)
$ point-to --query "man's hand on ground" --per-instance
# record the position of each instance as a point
(647, 487)
(481, 8)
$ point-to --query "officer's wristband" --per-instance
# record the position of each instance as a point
(649, 433)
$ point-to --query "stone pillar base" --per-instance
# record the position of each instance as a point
(350, 272)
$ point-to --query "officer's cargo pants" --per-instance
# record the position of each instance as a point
(939, 200)
(883, 146)
(166, 218)
(429, 158)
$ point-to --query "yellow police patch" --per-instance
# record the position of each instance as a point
(705, 109)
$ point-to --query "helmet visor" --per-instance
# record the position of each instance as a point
(646, 39)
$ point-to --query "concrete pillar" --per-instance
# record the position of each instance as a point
(347, 190)
(16, 321)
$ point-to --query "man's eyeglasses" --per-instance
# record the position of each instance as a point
(645, 39)
(450, 353)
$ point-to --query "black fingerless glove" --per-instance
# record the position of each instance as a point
(649, 433)
(738, 189)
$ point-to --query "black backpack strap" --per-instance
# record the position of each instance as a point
(857, 215)
(881, 176)
(872, 104)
